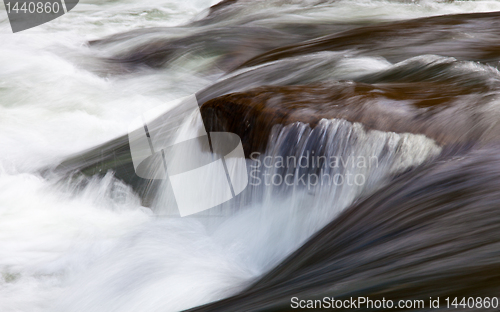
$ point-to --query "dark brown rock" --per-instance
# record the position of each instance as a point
(445, 113)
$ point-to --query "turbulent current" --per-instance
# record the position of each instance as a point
(393, 106)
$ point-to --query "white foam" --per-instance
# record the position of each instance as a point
(95, 248)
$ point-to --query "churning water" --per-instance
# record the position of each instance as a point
(69, 246)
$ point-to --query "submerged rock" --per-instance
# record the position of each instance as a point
(464, 36)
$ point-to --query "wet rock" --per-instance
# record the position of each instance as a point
(449, 113)
(221, 5)
(446, 113)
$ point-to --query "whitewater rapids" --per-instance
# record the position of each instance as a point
(67, 247)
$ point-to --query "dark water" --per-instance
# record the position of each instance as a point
(432, 232)
(420, 93)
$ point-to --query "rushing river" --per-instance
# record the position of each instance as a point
(78, 81)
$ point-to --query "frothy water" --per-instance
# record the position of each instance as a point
(92, 246)
(176, 263)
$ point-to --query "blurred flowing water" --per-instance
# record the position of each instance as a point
(78, 81)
